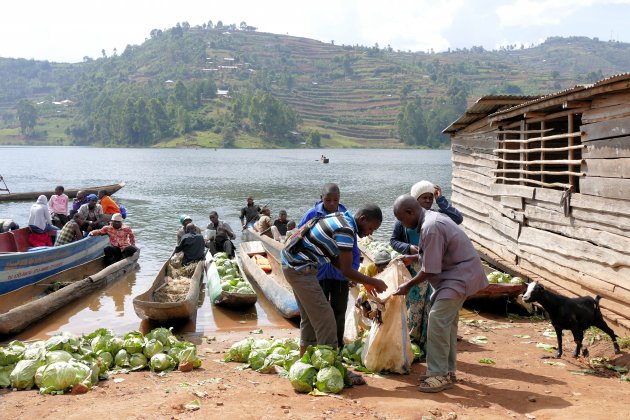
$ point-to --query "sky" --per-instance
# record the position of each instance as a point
(68, 30)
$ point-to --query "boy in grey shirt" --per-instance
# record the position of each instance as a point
(451, 265)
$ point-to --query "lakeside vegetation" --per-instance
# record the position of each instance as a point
(218, 85)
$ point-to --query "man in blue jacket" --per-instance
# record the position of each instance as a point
(332, 281)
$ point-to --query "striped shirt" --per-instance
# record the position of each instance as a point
(323, 242)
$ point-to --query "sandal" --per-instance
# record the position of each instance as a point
(356, 379)
(435, 384)
(451, 377)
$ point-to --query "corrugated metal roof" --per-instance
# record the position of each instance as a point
(489, 106)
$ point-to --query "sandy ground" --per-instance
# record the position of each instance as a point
(519, 385)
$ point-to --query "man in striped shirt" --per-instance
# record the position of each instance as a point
(329, 240)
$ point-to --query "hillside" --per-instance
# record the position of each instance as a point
(164, 91)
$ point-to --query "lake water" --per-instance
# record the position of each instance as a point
(164, 183)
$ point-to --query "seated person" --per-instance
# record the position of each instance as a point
(192, 245)
(281, 222)
(109, 206)
(58, 205)
(264, 223)
(122, 242)
(39, 219)
(184, 219)
(71, 231)
(220, 239)
(92, 214)
(291, 229)
(79, 200)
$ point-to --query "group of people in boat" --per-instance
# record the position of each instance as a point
(53, 223)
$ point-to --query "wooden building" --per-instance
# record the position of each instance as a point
(544, 187)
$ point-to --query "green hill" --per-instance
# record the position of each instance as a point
(281, 90)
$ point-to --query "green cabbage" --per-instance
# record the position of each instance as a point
(5, 373)
(138, 361)
(239, 352)
(152, 347)
(57, 377)
(64, 341)
(160, 334)
(329, 379)
(114, 345)
(85, 374)
(323, 356)
(134, 345)
(122, 358)
(291, 357)
(106, 358)
(418, 354)
(57, 356)
(302, 376)
(23, 375)
(39, 373)
(12, 353)
(161, 362)
(256, 358)
(36, 351)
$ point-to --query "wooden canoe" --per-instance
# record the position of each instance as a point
(147, 308)
(498, 291)
(29, 304)
(271, 245)
(273, 285)
(220, 297)
(70, 192)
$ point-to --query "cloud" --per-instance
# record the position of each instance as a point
(526, 13)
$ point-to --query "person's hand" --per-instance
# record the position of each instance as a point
(438, 192)
(403, 289)
(407, 259)
(377, 286)
(413, 249)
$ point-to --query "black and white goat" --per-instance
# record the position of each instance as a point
(575, 314)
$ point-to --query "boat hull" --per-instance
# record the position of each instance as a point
(70, 192)
(19, 269)
(84, 278)
(220, 297)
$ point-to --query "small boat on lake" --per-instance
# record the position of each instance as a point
(27, 305)
(21, 265)
(147, 307)
(70, 192)
(273, 284)
(221, 297)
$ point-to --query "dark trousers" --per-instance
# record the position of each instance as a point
(220, 244)
(336, 292)
(114, 254)
(59, 220)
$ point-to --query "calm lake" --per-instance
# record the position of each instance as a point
(164, 183)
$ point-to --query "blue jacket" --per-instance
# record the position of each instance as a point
(329, 271)
(399, 240)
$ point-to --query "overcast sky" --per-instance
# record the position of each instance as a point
(68, 30)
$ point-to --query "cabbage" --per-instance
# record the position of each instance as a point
(122, 358)
(418, 354)
(57, 377)
(114, 345)
(57, 356)
(323, 356)
(302, 376)
(22, 376)
(517, 280)
(161, 362)
(39, 373)
(5, 372)
(221, 256)
(12, 353)
(291, 357)
(262, 344)
(107, 359)
(138, 361)
(187, 353)
(85, 374)
(273, 359)
(134, 345)
(64, 341)
(161, 334)
(152, 347)
(36, 351)
(256, 358)
(329, 379)
(239, 352)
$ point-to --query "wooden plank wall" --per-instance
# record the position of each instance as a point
(587, 253)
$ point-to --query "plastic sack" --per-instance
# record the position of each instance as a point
(388, 346)
(355, 323)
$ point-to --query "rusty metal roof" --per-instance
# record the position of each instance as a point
(488, 105)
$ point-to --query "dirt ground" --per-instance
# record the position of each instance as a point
(519, 385)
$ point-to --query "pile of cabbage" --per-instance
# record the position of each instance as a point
(497, 277)
(65, 360)
(232, 280)
(319, 369)
(376, 246)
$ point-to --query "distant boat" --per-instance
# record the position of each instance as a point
(324, 159)
(30, 304)
(70, 192)
(20, 266)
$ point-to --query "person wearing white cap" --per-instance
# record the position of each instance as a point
(184, 219)
(122, 242)
(405, 241)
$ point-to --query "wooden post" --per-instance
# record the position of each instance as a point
(523, 155)
(542, 155)
(570, 151)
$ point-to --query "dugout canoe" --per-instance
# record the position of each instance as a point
(70, 192)
(271, 245)
(223, 298)
(273, 285)
(163, 312)
(27, 305)
(21, 265)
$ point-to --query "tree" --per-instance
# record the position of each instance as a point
(412, 126)
(314, 139)
(228, 138)
(27, 115)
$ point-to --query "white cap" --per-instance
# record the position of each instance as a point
(117, 217)
(422, 187)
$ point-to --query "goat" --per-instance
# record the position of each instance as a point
(575, 314)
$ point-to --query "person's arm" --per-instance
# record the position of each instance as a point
(97, 232)
(450, 211)
(397, 241)
(51, 205)
(77, 232)
(308, 216)
(132, 237)
(404, 288)
(344, 263)
(242, 216)
(229, 231)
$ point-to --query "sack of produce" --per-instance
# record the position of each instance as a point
(388, 347)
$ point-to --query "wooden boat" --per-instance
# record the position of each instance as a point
(147, 308)
(220, 297)
(271, 245)
(21, 265)
(273, 285)
(29, 304)
(325, 160)
(70, 192)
